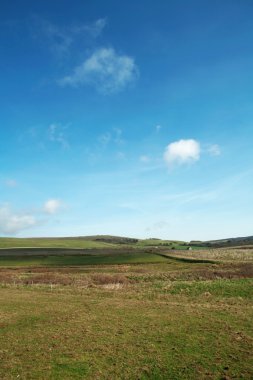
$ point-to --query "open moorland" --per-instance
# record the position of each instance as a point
(127, 310)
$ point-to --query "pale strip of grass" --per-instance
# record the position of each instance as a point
(52, 243)
(217, 254)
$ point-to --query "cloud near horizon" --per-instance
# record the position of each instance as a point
(106, 70)
(14, 222)
(214, 150)
(182, 152)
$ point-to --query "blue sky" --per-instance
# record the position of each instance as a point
(126, 118)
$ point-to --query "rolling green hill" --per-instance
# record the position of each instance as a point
(108, 241)
(230, 242)
(88, 242)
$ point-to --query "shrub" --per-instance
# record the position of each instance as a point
(104, 279)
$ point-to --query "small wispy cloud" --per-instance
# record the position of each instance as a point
(52, 206)
(56, 133)
(106, 70)
(158, 128)
(104, 138)
(117, 136)
(94, 28)
(182, 152)
(60, 39)
(113, 136)
(214, 150)
(157, 227)
(197, 196)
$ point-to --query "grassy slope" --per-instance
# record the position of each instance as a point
(232, 242)
(87, 242)
(157, 242)
(102, 241)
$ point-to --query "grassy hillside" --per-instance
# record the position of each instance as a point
(87, 242)
(231, 242)
(170, 244)
(107, 241)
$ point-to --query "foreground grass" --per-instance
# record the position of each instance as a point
(151, 320)
(122, 335)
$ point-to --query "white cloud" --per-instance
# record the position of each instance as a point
(52, 206)
(214, 150)
(56, 133)
(12, 223)
(105, 70)
(105, 138)
(11, 183)
(182, 151)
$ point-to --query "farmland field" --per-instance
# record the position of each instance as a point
(53, 243)
(132, 315)
(86, 259)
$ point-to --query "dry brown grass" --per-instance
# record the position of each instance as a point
(124, 275)
(107, 279)
(10, 277)
(226, 271)
(218, 254)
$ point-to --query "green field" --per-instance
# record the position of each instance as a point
(86, 259)
(52, 243)
(162, 243)
(91, 242)
(125, 316)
